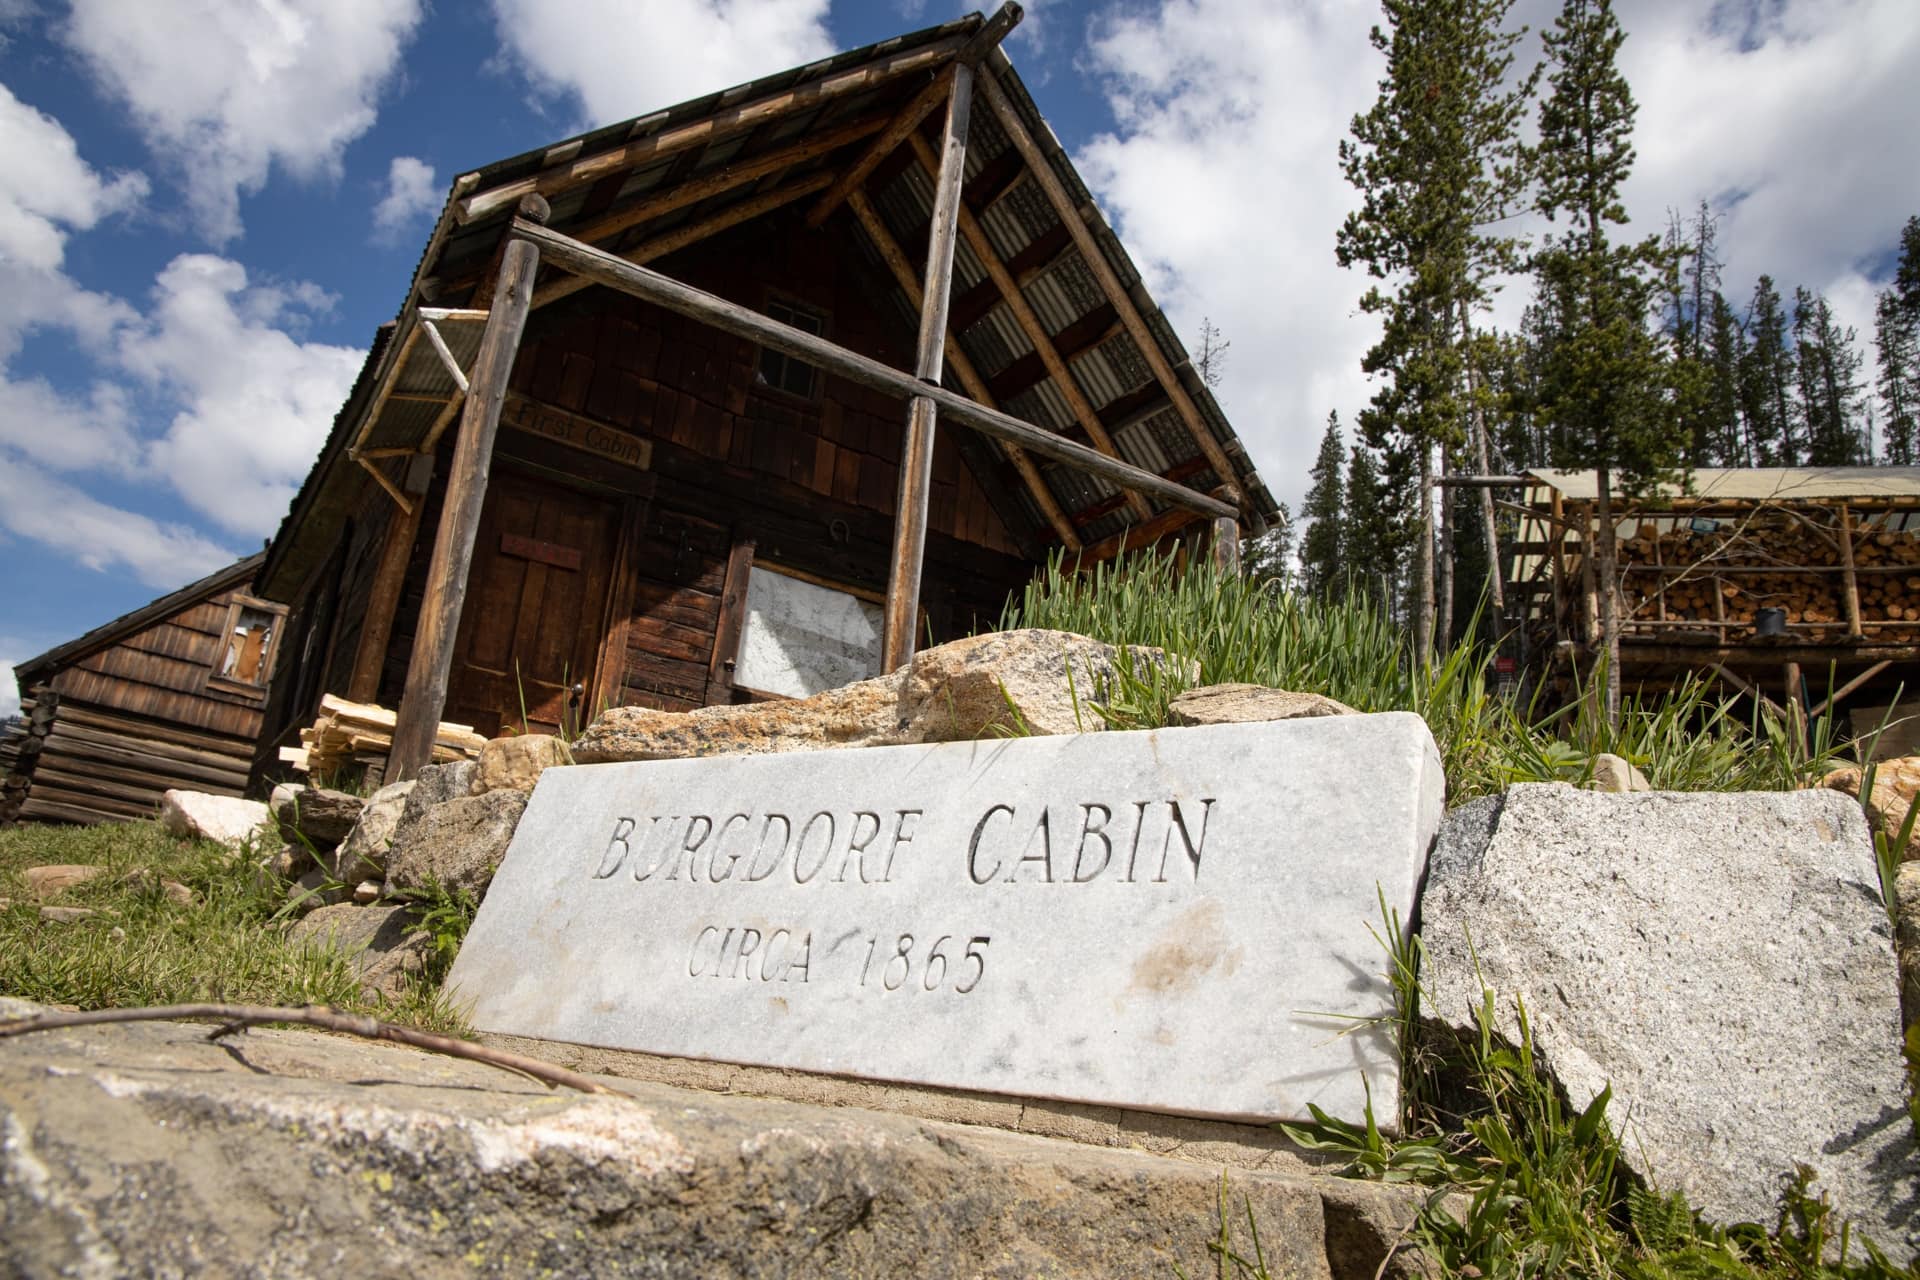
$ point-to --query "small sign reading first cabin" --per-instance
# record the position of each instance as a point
(1176, 920)
(576, 432)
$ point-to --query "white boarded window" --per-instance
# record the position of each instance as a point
(800, 637)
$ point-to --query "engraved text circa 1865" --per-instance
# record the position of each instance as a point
(1175, 920)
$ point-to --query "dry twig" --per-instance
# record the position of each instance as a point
(238, 1017)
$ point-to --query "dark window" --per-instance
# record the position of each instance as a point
(783, 372)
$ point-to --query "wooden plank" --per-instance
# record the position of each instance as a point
(730, 317)
(58, 806)
(1833, 699)
(446, 588)
(1136, 327)
(728, 177)
(963, 369)
(916, 462)
(918, 108)
(73, 711)
(86, 754)
(680, 237)
(383, 598)
(1023, 315)
(1134, 537)
(1226, 546)
(732, 620)
(721, 124)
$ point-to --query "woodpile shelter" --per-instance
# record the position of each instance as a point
(1795, 584)
(168, 696)
(742, 399)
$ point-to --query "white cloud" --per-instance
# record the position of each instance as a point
(674, 50)
(1221, 178)
(37, 506)
(9, 692)
(69, 433)
(224, 91)
(1221, 173)
(47, 190)
(256, 403)
(411, 194)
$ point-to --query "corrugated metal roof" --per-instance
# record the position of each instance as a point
(1759, 484)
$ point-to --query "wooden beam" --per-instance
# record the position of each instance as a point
(1849, 579)
(896, 260)
(1135, 536)
(383, 598)
(680, 237)
(727, 178)
(1023, 315)
(733, 621)
(983, 42)
(440, 349)
(683, 299)
(1226, 545)
(726, 123)
(1096, 260)
(431, 662)
(907, 122)
(1833, 699)
(916, 453)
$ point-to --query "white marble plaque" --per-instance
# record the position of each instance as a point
(1174, 920)
(800, 638)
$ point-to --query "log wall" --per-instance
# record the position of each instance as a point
(110, 730)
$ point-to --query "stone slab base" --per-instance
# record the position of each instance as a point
(145, 1149)
(1220, 1144)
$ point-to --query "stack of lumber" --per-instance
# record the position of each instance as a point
(1683, 576)
(20, 747)
(360, 733)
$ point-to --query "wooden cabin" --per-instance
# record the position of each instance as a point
(168, 696)
(1796, 585)
(742, 399)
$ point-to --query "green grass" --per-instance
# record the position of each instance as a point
(1242, 631)
(142, 949)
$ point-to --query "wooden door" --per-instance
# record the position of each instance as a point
(531, 627)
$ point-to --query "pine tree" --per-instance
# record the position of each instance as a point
(1896, 331)
(1211, 361)
(1269, 557)
(1725, 351)
(1767, 379)
(1373, 562)
(1829, 379)
(1436, 163)
(1602, 381)
(1899, 383)
(1322, 572)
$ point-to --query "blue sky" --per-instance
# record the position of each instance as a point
(208, 206)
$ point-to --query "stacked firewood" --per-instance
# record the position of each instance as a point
(1730, 572)
(359, 734)
(20, 747)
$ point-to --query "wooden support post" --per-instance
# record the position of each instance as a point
(383, 599)
(1589, 583)
(1849, 579)
(1796, 705)
(1832, 700)
(730, 317)
(916, 454)
(890, 253)
(1226, 545)
(733, 619)
(1559, 536)
(432, 660)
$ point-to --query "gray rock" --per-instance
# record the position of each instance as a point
(290, 862)
(516, 763)
(228, 820)
(1906, 892)
(459, 844)
(1241, 703)
(1617, 774)
(383, 943)
(363, 854)
(1724, 961)
(985, 686)
(52, 881)
(315, 815)
(145, 1150)
(435, 785)
(311, 890)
